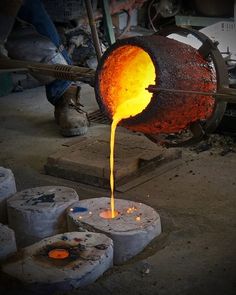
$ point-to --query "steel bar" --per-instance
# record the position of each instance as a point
(199, 21)
(229, 96)
(108, 22)
(58, 71)
(93, 28)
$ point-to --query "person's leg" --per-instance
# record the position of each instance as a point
(63, 94)
(8, 12)
(33, 12)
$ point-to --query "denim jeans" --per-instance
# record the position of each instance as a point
(33, 12)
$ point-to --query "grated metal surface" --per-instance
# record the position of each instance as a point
(98, 117)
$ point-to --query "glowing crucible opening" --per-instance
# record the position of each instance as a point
(126, 74)
(58, 254)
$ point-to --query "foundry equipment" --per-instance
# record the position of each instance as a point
(57, 71)
(189, 94)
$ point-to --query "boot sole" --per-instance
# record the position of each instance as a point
(73, 132)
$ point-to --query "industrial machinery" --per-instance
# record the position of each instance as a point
(189, 94)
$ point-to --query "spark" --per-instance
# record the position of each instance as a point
(131, 210)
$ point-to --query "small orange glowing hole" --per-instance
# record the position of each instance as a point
(131, 210)
(108, 214)
(58, 254)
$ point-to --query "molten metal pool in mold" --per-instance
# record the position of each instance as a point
(62, 262)
(134, 226)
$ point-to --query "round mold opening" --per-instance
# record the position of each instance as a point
(58, 253)
(107, 214)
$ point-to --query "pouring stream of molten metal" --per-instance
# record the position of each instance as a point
(133, 101)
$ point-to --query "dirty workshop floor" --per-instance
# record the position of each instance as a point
(195, 254)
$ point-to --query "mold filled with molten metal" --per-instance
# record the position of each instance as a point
(107, 214)
(127, 94)
(133, 228)
(58, 253)
(62, 262)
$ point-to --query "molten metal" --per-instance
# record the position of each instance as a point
(127, 72)
(129, 101)
(130, 66)
(58, 254)
(134, 227)
(108, 214)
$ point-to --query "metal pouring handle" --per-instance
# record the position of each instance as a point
(58, 71)
(225, 94)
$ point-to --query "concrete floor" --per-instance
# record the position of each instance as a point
(195, 253)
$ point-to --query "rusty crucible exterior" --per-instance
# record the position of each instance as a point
(177, 66)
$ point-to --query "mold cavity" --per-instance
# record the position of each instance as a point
(58, 254)
(108, 214)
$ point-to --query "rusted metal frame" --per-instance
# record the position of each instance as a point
(229, 94)
(197, 128)
(207, 50)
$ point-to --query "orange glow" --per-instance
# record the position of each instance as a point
(108, 214)
(112, 150)
(58, 254)
(124, 93)
(125, 74)
(131, 210)
(138, 218)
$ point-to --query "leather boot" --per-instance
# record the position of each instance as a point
(71, 119)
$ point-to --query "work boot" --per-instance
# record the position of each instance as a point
(71, 119)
